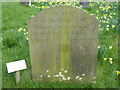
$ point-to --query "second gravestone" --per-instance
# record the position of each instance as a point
(63, 44)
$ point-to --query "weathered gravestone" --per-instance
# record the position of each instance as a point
(63, 44)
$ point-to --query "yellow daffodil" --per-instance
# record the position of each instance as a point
(24, 30)
(118, 72)
(50, 3)
(103, 21)
(106, 22)
(42, 6)
(107, 29)
(114, 13)
(20, 30)
(96, 17)
(104, 17)
(97, 11)
(105, 59)
(110, 16)
(110, 59)
(110, 47)
(24, 33)
(110, 13)
(113, 26)
(27, 39)
(111, 62)
(98, 46)
(39, 7)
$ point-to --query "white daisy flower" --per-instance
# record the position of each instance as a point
(80, 78)
(77, 77)
(48, 75)
(47, 71)
(83, 74)
(68, 78)
(65, 71)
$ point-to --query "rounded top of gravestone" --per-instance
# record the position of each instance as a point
(63, 9)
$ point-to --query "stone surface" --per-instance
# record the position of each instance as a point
(24, 2)
(63, 44)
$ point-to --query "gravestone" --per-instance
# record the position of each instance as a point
(85, 3)
(24, 2)
(63, 44)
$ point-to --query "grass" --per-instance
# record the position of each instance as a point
(15, 47)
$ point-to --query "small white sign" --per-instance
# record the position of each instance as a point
(16, 66)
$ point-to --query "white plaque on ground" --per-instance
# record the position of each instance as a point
(16, 66)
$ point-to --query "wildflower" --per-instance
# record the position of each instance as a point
(63, 78)
(105, 59)
(50, 3)
(110, 16)
(107, 29)
(94, 77)
(20, 30)
(101, 29)
(104, 17)
(47, 71)
(33, 5)
(98, 46)
(110, 59)
(39, 7)
(57, 75)
(24, 30)
(68, 78)
(60, 73)
(113, 26)
(110, 13)
(40, 75)
(118, 72)
(107, 25)
(114, 13)
(110, 47)
(65, 71)
(77, 77)
(62, 69)
(93, 81)
(83, 74)
(106, 22)
(80, 78)
(24, 33)
(111, 62)
(27, 38)
(48, 75)
(96, 17)
(42, 6)
(97, 11)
